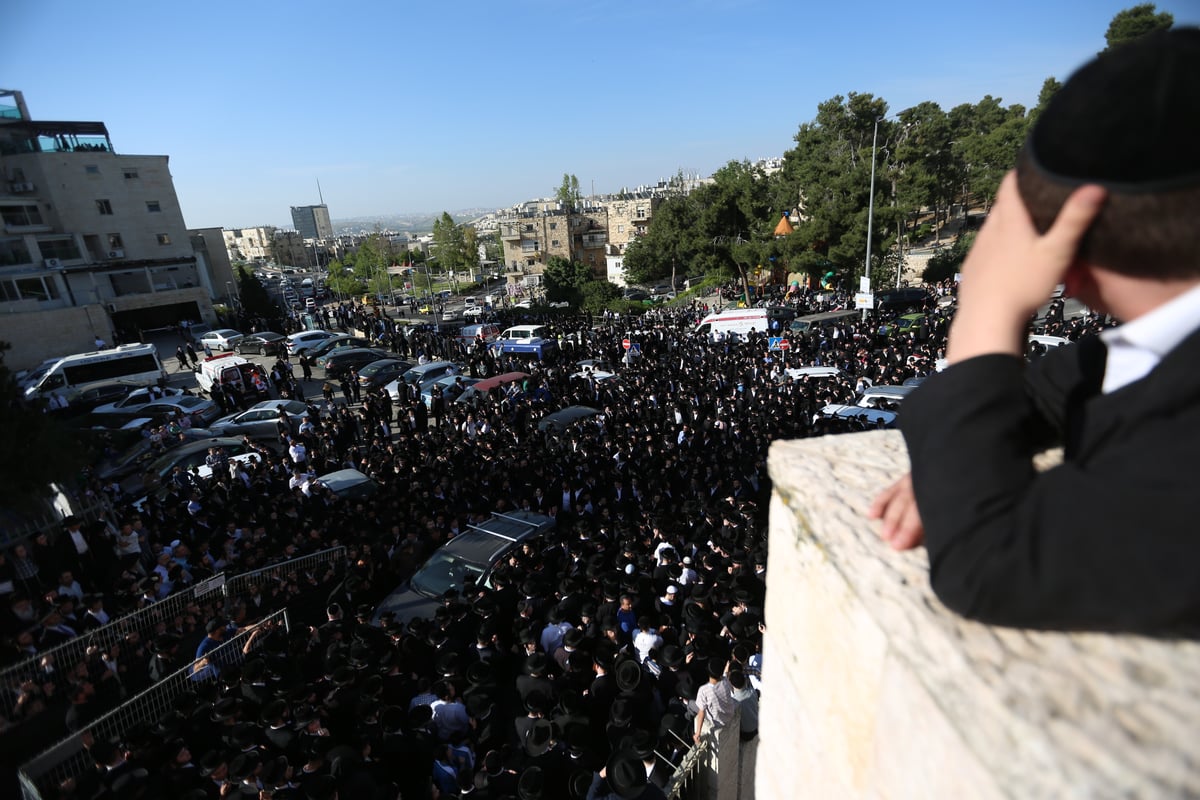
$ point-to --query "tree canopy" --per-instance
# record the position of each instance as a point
(455, 246)
(568, 193)
(1136, 22)
(929, 163)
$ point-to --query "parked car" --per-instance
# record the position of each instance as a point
(559, 421)
(200, 410)
(222, 339)
(340, 362)
(137, 456)
(265, 343)
(452, 387)
(304, 340)
(97, 397)
(875, 417)
(317, 353)
(349, 484)
(135, 399)
(477, 391)
(901, 298)
(472, 554)
(422, 374)
(382, 372)
(187, 456)
(261, 419)
(525, 339)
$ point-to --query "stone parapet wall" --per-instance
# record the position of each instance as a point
(877, 690)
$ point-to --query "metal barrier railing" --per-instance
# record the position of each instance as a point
(57, 662)
(69, 759)
(314, 565)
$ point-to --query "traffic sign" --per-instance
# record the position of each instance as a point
(626, 343)
(773, 342)
(784, 344)
(864, 300)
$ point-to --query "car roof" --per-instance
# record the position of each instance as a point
(566, 416)
(482, 543)
(487, 384)
(342, 479)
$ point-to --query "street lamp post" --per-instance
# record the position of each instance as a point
(870, 212)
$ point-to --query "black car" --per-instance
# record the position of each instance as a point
(336, 343)
(340, 362)
(266, 343)
(903, 298)
(382, 372)
(472, 554)
(559, 421)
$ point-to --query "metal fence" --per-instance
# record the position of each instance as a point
(68, 759)
(313, 565)
(58, 663)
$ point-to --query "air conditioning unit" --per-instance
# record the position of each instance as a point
(20, 186)
(53, 263)
(116, 253)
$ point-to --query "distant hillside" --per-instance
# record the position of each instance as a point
(415, 224)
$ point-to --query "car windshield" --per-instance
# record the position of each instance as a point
(442, 572)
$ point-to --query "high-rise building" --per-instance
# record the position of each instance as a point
(92, 242)
(312, 221)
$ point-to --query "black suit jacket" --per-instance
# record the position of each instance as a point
(1104, 541)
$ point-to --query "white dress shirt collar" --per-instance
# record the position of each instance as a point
(1136, 347)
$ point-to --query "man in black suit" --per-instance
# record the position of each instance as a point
(1104, 200)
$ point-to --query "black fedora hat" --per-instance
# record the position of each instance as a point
(628, 674)
(626, 774)
(540, 738)
(531, 784)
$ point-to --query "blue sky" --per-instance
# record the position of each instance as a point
(402, 107)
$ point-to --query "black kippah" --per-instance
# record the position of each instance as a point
(1128, 119)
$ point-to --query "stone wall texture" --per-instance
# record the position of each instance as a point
(877, 690)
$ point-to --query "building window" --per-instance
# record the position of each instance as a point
(37, 289)
(91, 169)
(13, 251)
(153, 207)
(131, 174)
(529, 227)
(620, 229)
(553, 226)
(554, 243)
(641, 212)
(114, 241)
(63, 248)
(20, 216)
(104, 207)
(164, 238)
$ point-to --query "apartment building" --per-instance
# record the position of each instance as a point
(313, 221)
(93, 242)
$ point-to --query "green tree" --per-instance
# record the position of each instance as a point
(1134, 23)
(565, 280)
(253, 295)
(599, 295)
(25, 482)
(828, 172)
(1050, 87)
(568, 193)
(943, 265)
(450, 244)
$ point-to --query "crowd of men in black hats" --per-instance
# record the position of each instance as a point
(583, 670)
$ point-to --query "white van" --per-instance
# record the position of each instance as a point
(135, 364)
(735, 322)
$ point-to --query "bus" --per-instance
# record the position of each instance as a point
(135, 364)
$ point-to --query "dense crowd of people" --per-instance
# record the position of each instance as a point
(596, 656)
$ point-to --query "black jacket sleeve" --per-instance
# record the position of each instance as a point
(1107, 541)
